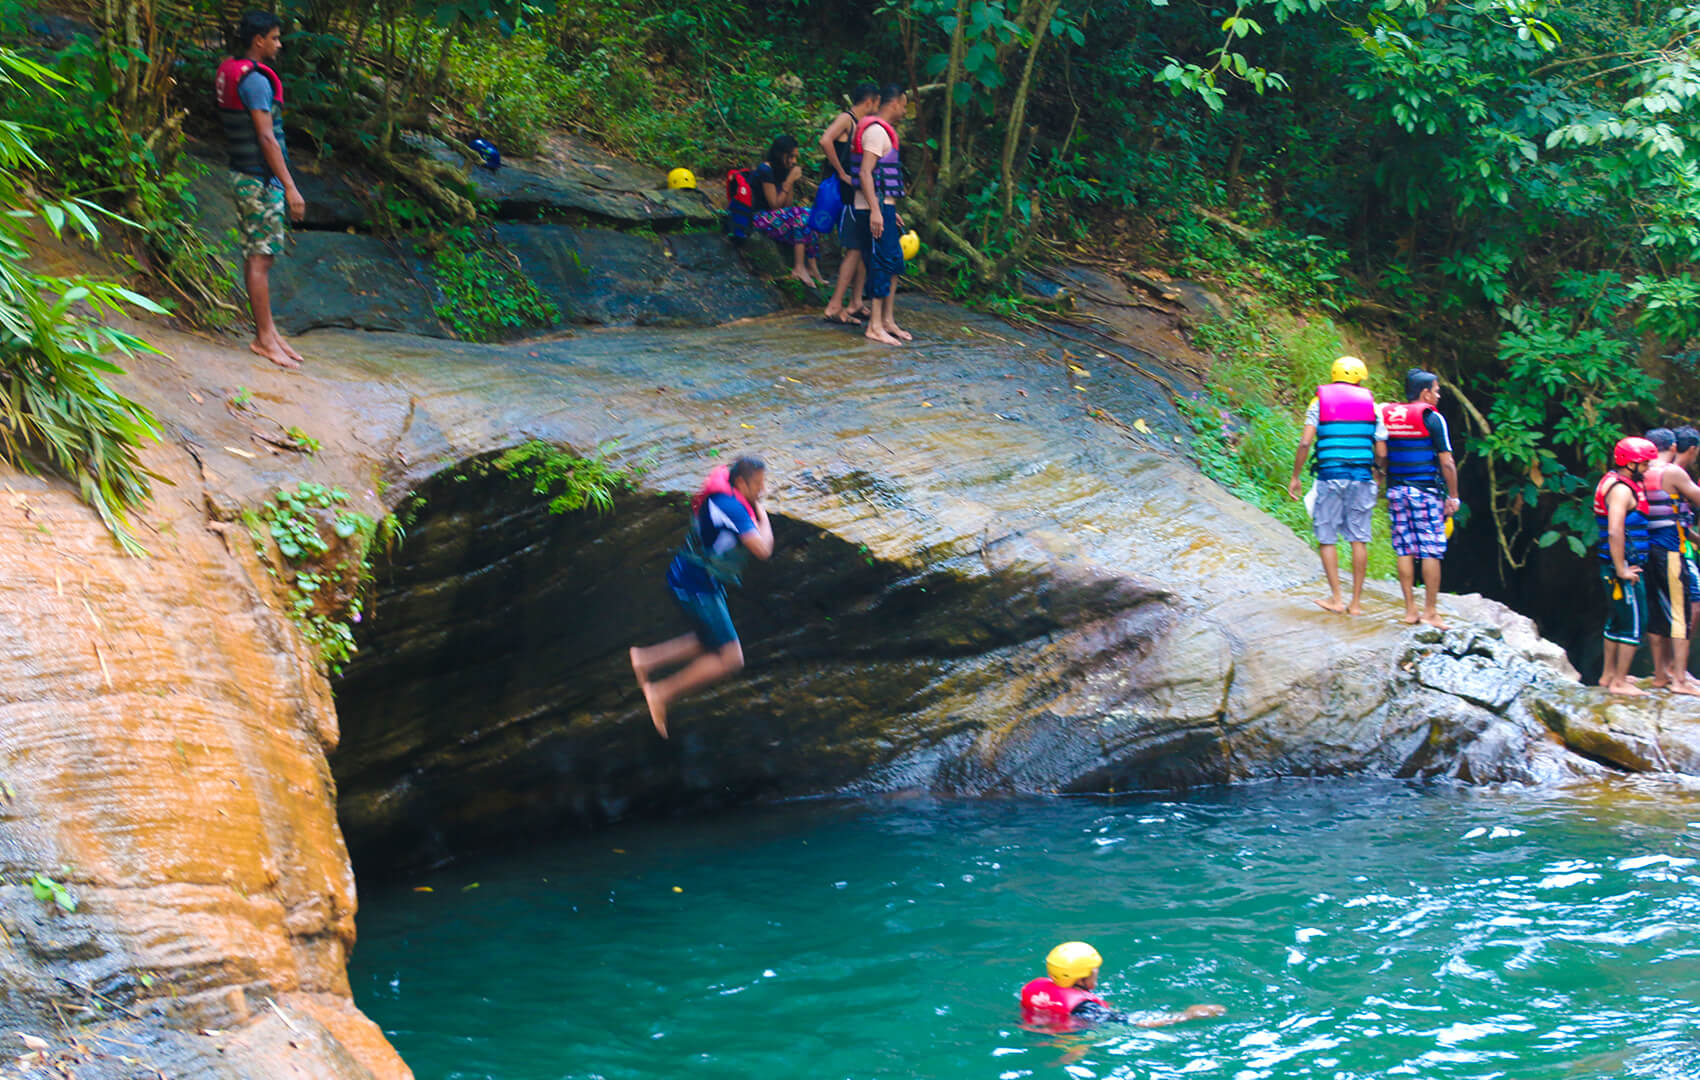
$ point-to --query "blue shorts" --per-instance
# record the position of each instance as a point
(709, 618)
(885, 254)
(1690, 580)
(853, 229)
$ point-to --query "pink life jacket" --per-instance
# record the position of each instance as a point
(1047, 1005)
(240, 140)
(230, 74)
(719, 482)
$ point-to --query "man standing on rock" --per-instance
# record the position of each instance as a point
(879, 186)
(728, 525)
(1344, 424)
(250, 104)
(1418, 452)
(1620, 511)
(835, 144)
(1669, 631)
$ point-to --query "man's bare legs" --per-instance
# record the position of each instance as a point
(1331, 570)
(256, 275)
(876, 330)
(1614, 675)
(799, 265)
(1407, 585)
(849, 276)
(1659, 646)
(1431, 595)
(1360, 568)
(704, 667)
(891, 326)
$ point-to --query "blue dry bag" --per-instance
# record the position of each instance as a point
(829, 205)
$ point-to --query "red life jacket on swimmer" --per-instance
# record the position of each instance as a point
(239, 137)
(888, 170)
(1634, 522)
(1045, 1004)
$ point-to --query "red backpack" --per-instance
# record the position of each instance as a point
(740, 205)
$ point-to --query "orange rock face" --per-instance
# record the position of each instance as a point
(163, 735)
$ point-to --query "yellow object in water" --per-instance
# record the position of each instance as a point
(1072, 961)
(682, 180)
(910, 242)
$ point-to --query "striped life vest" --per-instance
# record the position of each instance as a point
(1634, 522)
(888, 170)
(1345, 431)
(1411, 455)
(1663, 522)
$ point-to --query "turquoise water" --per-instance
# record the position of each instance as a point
(1353, 929)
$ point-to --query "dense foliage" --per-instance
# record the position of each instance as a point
(55, 402)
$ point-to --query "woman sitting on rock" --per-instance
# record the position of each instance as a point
(778, 213)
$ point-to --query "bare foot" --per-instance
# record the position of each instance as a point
(275, 355)
(1410, 617)
(841, 317)
(1626, 689)
(1658, 683)
(881, 336)
(657, 710)
(1355, 608)
(288, 349)
(638, 669)
(1436, 621)
(1685, 687)
(898, 331)
(803, 276)
(1332, 606)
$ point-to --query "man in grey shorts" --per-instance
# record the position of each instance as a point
(1344, 424)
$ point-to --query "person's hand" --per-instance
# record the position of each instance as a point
(845, 177)
(1293, 489)
(297, 205)
(1452, 505)
(876, 224)
(796, 171)
(1629, 573)
(1200, 1012)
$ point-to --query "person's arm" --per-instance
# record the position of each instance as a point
(771, 193)
(788, 190)
(829, 146)
(1618, 503)
(876, 220)
(1191, 1012)
(759, 540)
(273, 153)
(1381, 458)
(1294, 489)
(1449, 472)
(1685, 486)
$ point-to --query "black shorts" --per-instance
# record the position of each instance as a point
(1667, 606)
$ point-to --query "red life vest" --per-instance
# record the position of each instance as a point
(229, 77)
(1045, 1004)
(1634, 522)
(719, 482)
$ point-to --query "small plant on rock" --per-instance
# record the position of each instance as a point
(323, 545)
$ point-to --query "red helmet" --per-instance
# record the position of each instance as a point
(1633, 449)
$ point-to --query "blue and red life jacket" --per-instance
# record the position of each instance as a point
(1345, 432)
(1634, 522)
(1412, 458)
(240, 139)
(740, 204)
(1046, 1005)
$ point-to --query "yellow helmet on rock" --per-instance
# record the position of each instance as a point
(910, 242)
(682, 179)
(1072, 961)
(1349, 369)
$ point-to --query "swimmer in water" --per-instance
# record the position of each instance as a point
(1063, 999)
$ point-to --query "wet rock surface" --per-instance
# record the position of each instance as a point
(987, 579)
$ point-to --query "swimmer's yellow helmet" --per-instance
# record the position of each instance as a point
(1072, 961)
(911, 244)
(682, 180)
(1349, 369)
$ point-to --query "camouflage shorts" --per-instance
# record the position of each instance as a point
(260, 214)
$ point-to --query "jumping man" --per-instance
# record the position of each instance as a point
(728, 525)
(250, 104)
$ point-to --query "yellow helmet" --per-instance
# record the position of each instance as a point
(911, 244)
(1349, 369)
(1072, 961)
(682, 179)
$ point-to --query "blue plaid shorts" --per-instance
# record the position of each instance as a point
(1418, 517)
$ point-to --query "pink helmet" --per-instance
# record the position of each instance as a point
(1633, 449)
